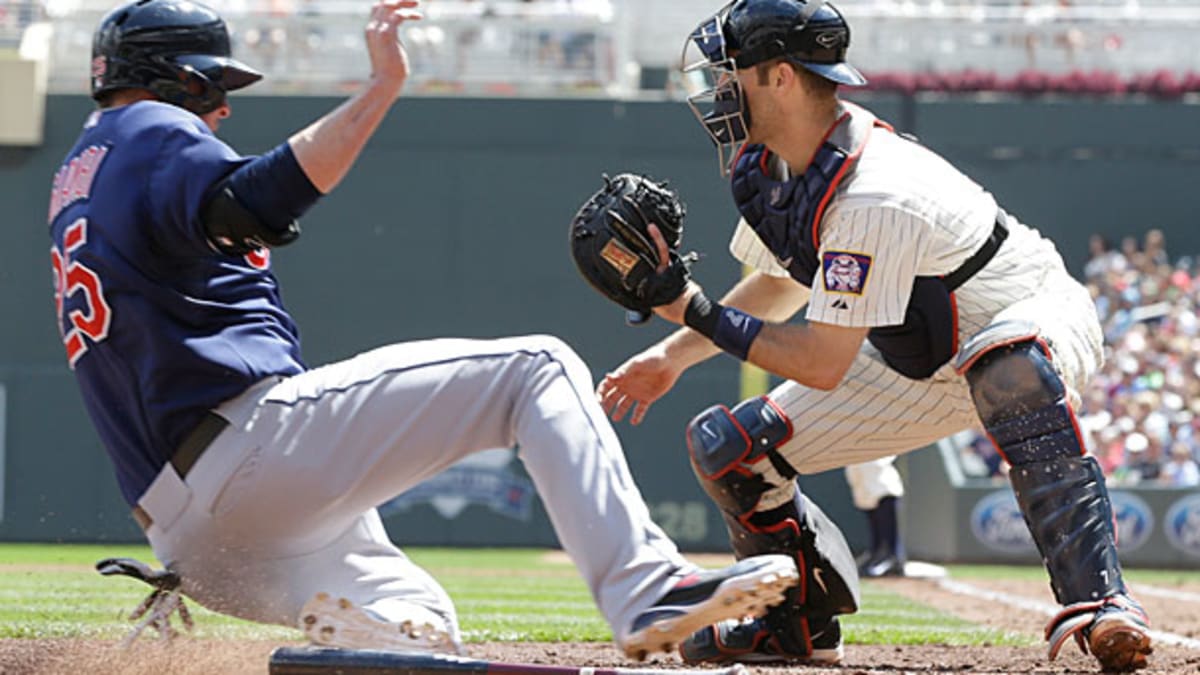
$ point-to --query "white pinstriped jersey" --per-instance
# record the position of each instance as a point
(905, 212)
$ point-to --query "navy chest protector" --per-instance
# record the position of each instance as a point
(786, 216)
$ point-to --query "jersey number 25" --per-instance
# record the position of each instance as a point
(71, 277)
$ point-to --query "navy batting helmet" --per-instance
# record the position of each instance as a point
(812, 34)
(176, 49)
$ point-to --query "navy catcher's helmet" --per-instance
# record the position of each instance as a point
(176, 49)
(812, 34)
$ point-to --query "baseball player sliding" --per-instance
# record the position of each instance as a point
(255, 477)
(929, 309)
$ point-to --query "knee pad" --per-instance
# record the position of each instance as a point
(725, 445)
(1022, 401)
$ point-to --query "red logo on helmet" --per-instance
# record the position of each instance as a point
(259, 259)
(99, 67)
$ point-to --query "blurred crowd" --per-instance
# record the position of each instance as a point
(1162, 83)
(1141, 412)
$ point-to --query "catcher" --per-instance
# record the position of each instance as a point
(929, 310)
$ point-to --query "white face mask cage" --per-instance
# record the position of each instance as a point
(719, 106)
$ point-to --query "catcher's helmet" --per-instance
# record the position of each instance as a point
(813, 34)
(810, 33)
(176, 49)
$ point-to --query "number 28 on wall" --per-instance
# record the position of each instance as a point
(71, 277)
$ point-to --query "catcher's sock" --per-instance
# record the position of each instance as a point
(746, 588)
(885, 525)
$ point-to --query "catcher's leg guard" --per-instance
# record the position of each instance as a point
(727, 448)
(1023, 405)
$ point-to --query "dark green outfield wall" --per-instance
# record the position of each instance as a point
(454, 223)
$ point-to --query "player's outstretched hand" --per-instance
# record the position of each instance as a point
(389, 61)
(637, 384)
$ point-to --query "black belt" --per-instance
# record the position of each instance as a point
(185, 456)
(981, 257)
(197, 442)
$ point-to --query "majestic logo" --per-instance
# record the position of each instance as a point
(997, 523)
(1135, 520)
(839, 304)
(484, 478)
(845, 272)
(1182, 525)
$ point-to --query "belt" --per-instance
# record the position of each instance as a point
(185, 456)
(981, 257)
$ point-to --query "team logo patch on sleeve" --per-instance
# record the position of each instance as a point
(845, 272)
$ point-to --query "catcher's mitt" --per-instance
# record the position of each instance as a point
(612, 247)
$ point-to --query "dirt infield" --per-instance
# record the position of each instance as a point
(1177, 616)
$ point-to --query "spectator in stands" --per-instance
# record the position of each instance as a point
(1180, 469)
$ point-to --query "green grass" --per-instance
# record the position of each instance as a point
(509, 594)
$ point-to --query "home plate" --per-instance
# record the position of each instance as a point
(916, 569)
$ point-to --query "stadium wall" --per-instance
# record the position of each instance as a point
(454, 223)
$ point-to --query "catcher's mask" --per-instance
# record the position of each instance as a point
(745, 33)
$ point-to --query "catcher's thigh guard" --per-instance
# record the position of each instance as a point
(1023, 405)
(727, 449)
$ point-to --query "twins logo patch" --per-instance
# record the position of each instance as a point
(845, 272)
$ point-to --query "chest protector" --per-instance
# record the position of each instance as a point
(786, 215)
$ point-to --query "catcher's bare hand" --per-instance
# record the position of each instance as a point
(637, 384)
(389, 61)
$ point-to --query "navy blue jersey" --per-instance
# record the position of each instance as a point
(157, 325)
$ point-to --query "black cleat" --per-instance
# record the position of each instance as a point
(752, 641)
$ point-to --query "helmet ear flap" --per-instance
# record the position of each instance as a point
(188, 89)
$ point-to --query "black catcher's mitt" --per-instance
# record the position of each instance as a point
(612, 247)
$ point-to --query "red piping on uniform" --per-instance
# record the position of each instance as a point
(782, 415)
(828, 132)
(1020, 338)
(807, 633)
(850, 160)
(954, 322)
(742, 150)
(996, 445)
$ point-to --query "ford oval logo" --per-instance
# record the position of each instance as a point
(996, 521)
(1182, 525)
(1135, 520)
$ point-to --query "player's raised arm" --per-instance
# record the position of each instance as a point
(327, 148)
